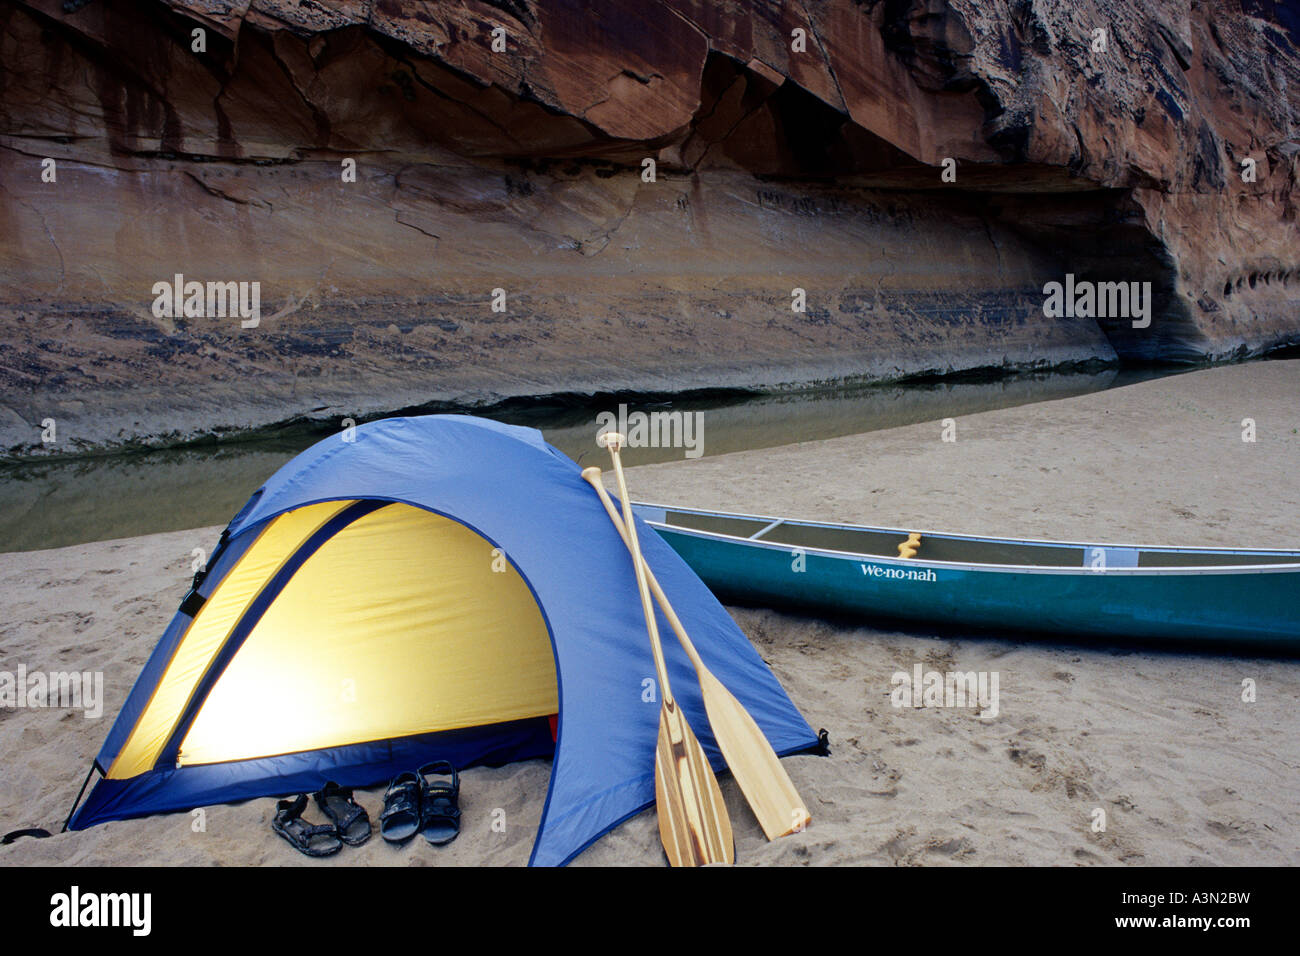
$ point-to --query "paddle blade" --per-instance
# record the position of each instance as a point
(752, 761)
(693, 822)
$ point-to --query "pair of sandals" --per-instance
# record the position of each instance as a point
(349, 822)
(415, 803)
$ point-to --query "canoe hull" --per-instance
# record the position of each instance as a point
(1230, 605)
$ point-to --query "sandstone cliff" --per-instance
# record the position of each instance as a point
(795, 145)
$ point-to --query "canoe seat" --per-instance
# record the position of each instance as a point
(908, 548)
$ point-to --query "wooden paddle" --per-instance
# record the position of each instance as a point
(693, 822)
(750, 756)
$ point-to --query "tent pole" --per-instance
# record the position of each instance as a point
(94, 765)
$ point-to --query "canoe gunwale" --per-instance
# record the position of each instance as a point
(918, 562)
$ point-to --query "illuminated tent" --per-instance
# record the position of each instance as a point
(433, 588)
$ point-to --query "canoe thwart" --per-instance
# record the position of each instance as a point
(765, 529)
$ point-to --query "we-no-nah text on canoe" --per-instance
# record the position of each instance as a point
(908, 574)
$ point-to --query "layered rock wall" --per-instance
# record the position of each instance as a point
(796, 146)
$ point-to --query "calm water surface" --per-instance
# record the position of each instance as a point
(58, 503)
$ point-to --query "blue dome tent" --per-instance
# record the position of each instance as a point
(437, 587)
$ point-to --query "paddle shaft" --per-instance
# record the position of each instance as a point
(678, 628)
(642, 572)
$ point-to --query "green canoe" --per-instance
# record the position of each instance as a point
(1220, 595)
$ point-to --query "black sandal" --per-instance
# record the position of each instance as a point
(439, 803)
(348, 816)
(400, 819)
(319, 839)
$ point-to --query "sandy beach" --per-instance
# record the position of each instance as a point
(1160, 741)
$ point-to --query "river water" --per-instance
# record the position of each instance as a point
(57, 503)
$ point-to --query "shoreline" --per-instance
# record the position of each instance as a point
(16, 452)
(64, 502)
(315, 422)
